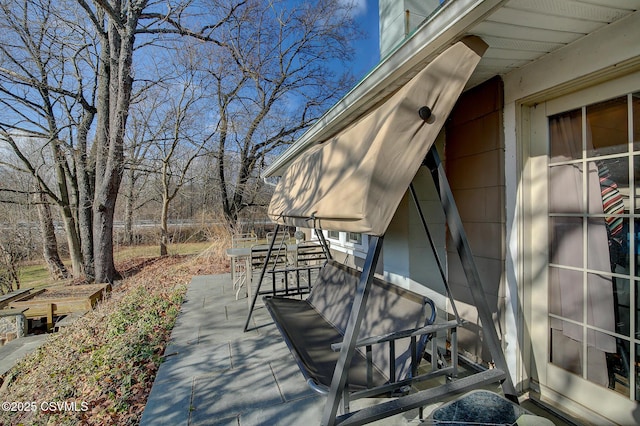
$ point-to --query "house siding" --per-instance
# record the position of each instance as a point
(474, 163)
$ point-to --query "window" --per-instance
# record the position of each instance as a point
(334, 235)
(594, 236)
(354, 237)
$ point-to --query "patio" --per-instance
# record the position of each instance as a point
(214, 373)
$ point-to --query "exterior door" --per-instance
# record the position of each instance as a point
(584, 233)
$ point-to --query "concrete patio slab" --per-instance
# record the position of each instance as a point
(258, 350)
(169, 403)
(188, 361)
(234, 392)
(216, 374)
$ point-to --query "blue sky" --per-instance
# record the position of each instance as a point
(366, 50)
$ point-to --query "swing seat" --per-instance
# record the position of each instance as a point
(393, 337)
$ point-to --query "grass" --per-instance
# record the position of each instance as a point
(127, 252)
(36, 276)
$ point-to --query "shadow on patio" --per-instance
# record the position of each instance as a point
(214, 373)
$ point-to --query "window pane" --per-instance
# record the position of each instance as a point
(608, 186)
(607, 127)
(335, 235)
(566, 241)
(565, 294)
(633, 244)
(604, 251)
(566, 352)
(622, 301)
(636, 306)
(608, 361)
(565, 136)
(618, 367)
(601, 303)
(634, 190)
(355, 238)
(565, 189)
(637, 364)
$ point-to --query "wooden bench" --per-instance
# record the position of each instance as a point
(393, 335)
(5, 299)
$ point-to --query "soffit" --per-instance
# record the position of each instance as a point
(518, 32)
(523, 31)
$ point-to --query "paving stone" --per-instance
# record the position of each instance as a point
(232, 421)
(168, 403)
(17, 349)
(224, 331)
(233, 392)
(188, 361)
(307, 411)
(258, 350)
(290, 379)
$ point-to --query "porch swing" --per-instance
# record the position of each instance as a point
(355, 335)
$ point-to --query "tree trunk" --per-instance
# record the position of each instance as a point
(164, 230)
(73, 239)
(85, 176)
(105, 269)
(57, 270)
(85, 219)
(9, 261)
(114, 98)
(128, 206)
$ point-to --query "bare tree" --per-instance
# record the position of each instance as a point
(182, 143)
(16, 198)
(119, 23)
(73, 57)
(42, 91)
(137, 170)
(18, 236)
(172, 117)
(69, 75)
(272, 78)
(9, 258)
(12, 204)
(56, 59)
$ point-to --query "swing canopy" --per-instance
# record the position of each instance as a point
(355, 181)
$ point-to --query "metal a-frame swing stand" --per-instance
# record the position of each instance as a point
(424, 397)
(421, 398)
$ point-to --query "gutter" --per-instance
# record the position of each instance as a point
(446, 26)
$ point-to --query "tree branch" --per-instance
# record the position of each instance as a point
(113, 15)
(30, 81)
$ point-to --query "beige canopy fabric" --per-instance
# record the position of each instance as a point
(354, 181)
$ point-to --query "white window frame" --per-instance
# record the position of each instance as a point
(552, 382)
(348, 245)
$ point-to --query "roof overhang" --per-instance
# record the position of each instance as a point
(444, 28)
(518, 32)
